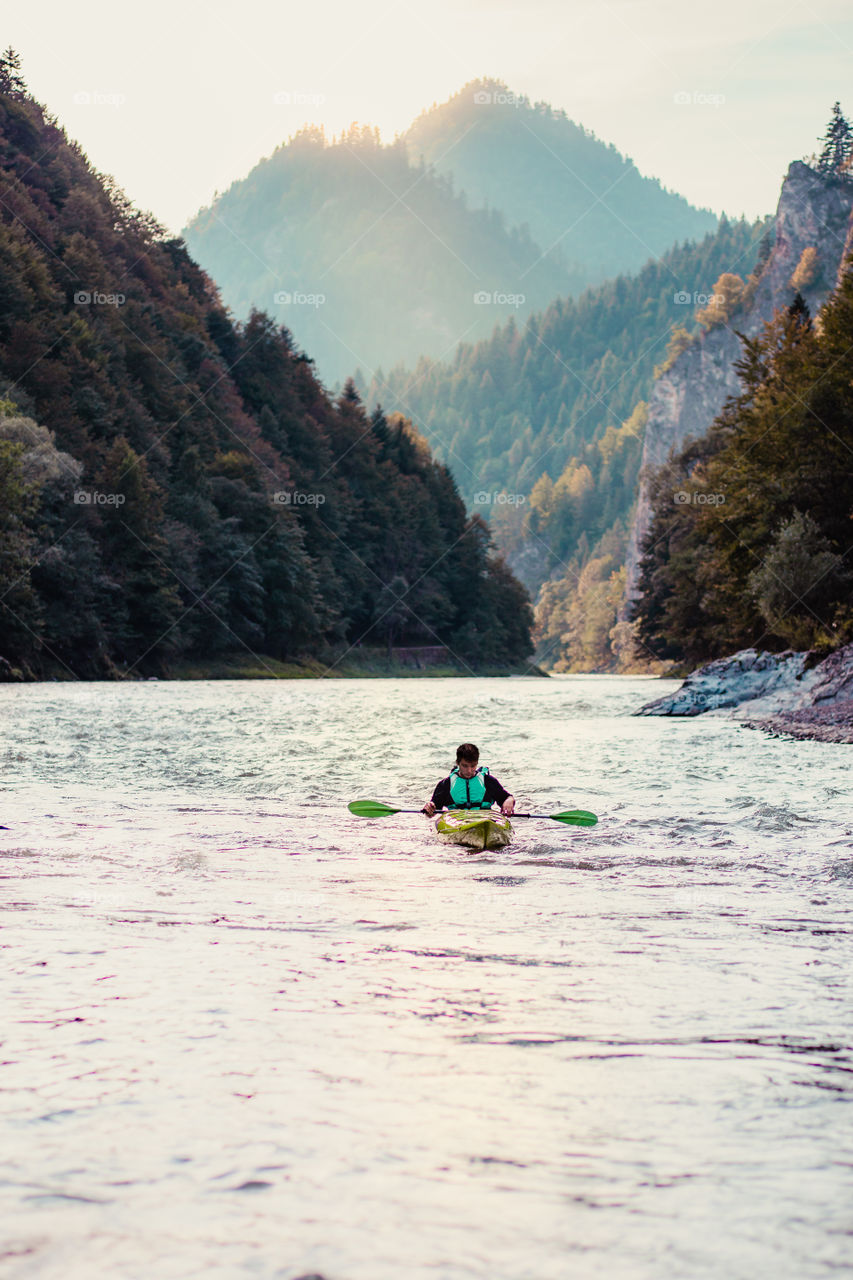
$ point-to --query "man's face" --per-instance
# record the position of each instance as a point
(467, 768)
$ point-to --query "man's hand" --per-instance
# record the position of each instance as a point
(508, 806)
(429, 808)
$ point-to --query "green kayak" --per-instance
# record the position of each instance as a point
(475, 828)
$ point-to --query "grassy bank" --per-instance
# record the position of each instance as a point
(357, 664)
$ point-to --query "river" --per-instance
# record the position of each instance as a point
(247, 1034)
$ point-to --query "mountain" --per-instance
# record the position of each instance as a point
(368, 257)
(174, 486)
(576, 194)
(561, 395)
(375, 255)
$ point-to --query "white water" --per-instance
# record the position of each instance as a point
(246, 1034)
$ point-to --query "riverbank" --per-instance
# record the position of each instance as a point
(821, 724)
(355, 664)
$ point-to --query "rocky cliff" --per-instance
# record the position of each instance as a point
(812, 213)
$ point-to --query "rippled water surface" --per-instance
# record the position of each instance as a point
(247, 1034)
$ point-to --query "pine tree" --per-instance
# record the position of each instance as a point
(379, 424)
(11, 80)
(799, 310)
(765, 248)
(837, 142)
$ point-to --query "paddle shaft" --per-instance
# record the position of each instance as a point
(503, 815)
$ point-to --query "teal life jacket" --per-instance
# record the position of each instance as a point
(469, 793)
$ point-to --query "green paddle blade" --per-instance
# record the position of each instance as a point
(575, 818)
(370, 809)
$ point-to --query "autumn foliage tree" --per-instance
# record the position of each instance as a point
(725, 298)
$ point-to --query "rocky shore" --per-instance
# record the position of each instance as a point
(823, 724)
(787, 694)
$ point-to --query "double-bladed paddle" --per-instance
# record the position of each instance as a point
(376, 809)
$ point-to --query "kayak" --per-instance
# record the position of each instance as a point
(476, 828)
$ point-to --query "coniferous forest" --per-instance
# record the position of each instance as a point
(544, 425)
(532, 399)
(174, 485)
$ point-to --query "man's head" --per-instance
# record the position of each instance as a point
(467, 759)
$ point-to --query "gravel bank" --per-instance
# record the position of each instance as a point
(823, 724)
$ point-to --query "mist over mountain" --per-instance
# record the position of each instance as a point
(367, 257)
(378, 254)
(577, 195)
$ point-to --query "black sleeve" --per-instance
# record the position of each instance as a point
(441, 795)
(494, 791)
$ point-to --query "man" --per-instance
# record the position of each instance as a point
(469, 786)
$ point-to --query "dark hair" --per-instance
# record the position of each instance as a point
(467, 752)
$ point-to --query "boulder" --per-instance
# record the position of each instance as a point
(744, 677)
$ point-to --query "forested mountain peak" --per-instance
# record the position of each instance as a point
(575, 193)
(487, 207)
(368, 256)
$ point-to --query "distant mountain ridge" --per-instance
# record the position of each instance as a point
(366, 257)
(576, 194)
(378, 254)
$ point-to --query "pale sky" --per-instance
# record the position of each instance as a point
(715, 100)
